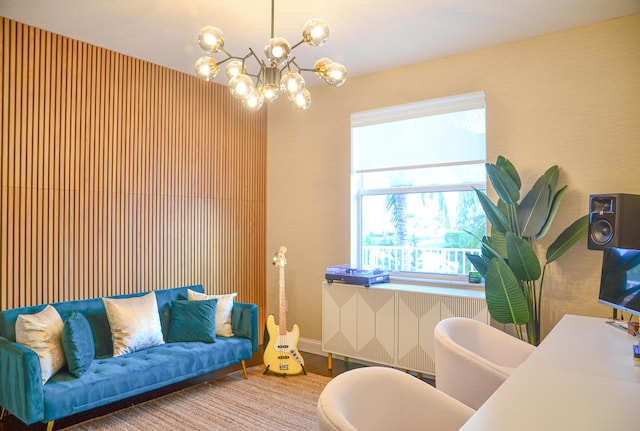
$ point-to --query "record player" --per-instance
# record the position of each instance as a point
(363, 277)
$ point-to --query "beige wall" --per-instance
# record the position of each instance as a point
(570, 98)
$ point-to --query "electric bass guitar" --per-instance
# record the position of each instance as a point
(281, 355)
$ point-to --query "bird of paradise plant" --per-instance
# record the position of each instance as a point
(509, 261)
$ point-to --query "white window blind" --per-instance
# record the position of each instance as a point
(435, 132)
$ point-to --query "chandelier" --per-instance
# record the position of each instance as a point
(280, 74)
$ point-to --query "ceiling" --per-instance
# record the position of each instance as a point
(366, 36)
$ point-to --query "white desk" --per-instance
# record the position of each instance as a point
(581, 377)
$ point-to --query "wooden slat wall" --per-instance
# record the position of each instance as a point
(121, 176)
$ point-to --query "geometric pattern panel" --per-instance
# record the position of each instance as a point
(339, 319)
(417, 359)
(377, 351)
(473, 308)
(376, 324)
(418, 314)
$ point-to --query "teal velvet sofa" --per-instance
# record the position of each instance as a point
(109, 379)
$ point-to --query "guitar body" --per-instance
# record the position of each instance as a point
(281, 355)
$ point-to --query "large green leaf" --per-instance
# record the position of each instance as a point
(487, 248)
(509, 169)
(551, 177)
(480, 263)
(493, 213)
(509, 211)
(522, 258)
(505, 209)
(532, 211)
(503, 184)
(498, 242)
(505, 299)
(567, 239)
(552, 213)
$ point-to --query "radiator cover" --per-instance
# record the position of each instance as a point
(392, 324)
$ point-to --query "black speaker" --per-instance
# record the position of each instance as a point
(614, 221)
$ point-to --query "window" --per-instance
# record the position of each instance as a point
(414, 168)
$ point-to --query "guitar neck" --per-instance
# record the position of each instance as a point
(282, 326)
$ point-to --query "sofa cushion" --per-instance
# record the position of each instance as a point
(134, 322)
(193, 321)
(223, 311)
(77, 342)
(42, 333)
(112, 379)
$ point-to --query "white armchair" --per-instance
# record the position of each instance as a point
(473, 359)
(386, 399)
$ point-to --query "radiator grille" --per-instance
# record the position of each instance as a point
(418, 314)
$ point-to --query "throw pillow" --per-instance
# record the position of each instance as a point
(193, 321)
(135, 323)
(223, 310)
(77, 342)
(42, 333)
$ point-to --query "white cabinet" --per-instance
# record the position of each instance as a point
(392, 324)
(359, 322)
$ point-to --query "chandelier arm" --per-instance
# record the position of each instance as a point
(289, 63)
(226, 59)
(293, 61)
(287, 67)
(252, 53)
(302, 69)
(297, 45)
(227, 53)
(231, 56)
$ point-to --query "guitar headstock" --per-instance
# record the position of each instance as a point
(279, 259)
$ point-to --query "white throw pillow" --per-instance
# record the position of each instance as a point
(135, 323)
(42, 333)
(223, 310)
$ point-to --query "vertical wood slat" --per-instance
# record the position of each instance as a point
(122, 176)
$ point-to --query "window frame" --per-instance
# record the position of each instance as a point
(431, 107)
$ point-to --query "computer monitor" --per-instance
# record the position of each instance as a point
(620, 280)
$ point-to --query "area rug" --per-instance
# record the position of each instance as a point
(230, 403)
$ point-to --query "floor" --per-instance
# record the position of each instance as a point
(315, 364)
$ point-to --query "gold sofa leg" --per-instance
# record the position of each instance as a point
(2, 413)
(244, 370)
(50, 425)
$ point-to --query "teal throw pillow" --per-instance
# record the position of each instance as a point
(77, 343)
(193, 321)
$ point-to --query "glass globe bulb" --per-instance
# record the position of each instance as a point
(210, 39)
(292, 83)
(254, 101)
(234, 68)
(270, 92)
(241, 86)
(277, 49)
(206, 68)
(321, 66)
(315, 32)
(335, 74)
(301, 100)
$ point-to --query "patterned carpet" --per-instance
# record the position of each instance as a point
(230, 403)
